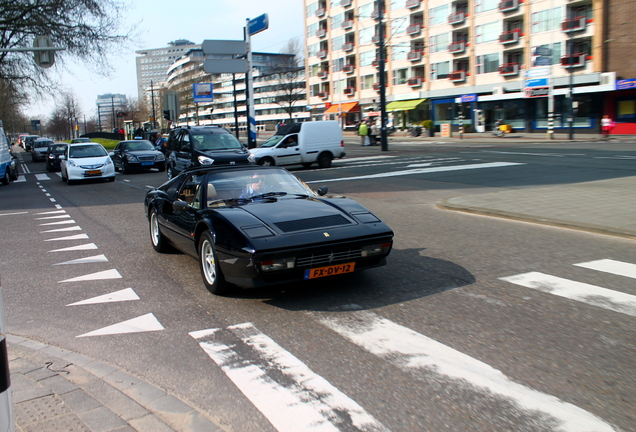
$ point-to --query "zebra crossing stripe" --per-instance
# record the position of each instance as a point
(591, 294)
(611, 266)
(413, 352)
(289, 394)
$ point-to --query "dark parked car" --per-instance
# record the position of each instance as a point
(203, 145)
(39, 148)
(253, 226)
(53, 156)
(136, 155)
(28, 141)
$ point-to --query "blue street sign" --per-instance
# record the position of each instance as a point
(469, 98)
(537, 82)
(625, 84)
(258, 24)
(202, 92)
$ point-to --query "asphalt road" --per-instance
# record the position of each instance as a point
(434, 341)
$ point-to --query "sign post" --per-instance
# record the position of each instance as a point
(254, 26)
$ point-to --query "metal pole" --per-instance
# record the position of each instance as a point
(152, 96)
(249, 92)
(571, 104)
(381, 57)
(236, 119)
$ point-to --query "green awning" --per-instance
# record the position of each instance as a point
(405, 105)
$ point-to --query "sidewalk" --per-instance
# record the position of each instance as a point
(58, 390)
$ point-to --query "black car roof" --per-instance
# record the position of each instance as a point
(206, 129)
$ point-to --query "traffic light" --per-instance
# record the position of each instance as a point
(166, 114)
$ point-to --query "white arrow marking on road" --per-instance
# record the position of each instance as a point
(611, 266)
(289, 394)
(144, 323)
(93, 259)
(75, 228)
(106, 274)
(127, 294)
(75, 237)
(54, 217)
(52, 212)
(422, 171)
(585, 293)
(66, 222)
(76, 248)
(414, 352)
(11, 214)
(42, 177)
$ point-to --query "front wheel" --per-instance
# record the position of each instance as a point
(170, 172)
(210, 270)
(266, 161)
(125, 168)
(159, 241)
(6, 179)
(324, 160)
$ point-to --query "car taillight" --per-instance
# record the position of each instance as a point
(341, 143)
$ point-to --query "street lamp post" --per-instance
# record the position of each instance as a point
(152, 97)
(383, 137)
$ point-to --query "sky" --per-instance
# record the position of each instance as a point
(162, 21)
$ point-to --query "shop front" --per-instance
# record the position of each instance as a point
(408, 112)
(347, 114)
(620, 105)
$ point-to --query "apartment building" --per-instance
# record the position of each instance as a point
(469, 61)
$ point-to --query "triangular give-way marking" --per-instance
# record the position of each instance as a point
(142, 323)
(75, 228)
(117, 296)
(93, 259)
(87, 246)
(75, 237)
(106, 274)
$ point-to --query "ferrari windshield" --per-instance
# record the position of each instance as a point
(215, 142)
(87, 151)
(248, 184)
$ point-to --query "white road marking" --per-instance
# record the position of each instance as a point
(611, 266)
(42, 177)
(75, 237)
(88, 246)
(20, 179)
(412, 351)
(51, 212)
(422, 171)
(12, 214)
(54, 217)
(93, 259)
(142, 323)
(66, 222)
(74, 228)
(127, 294)
(590, 294)
(289, 394)
(106, 274)
(365, 158)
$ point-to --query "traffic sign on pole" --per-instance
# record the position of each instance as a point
(258, 24)
(44, 59)
(222, 47)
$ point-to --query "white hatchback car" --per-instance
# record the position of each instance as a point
(85, 161)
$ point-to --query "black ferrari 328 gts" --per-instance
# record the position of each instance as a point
(253, 226)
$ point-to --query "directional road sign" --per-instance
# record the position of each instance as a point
(218, 66)
(222, 47)
(258, 24)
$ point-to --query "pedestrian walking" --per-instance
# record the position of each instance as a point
(363, 131)
(374, 131)
(607, 124)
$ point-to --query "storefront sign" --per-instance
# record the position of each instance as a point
(537, 72)
(537, 82)
(626, 84)
(536, 92)
(469, 98)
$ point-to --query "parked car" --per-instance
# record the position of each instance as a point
(28, 141)
(137, 155)
(80, 140)
(21, 139)
(8, 166)
(253, 226)
(53, 154)
(303, 143)
(83, 161)
(39, 149)
(205, 145)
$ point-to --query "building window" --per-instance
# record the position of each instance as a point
(546, 20)
(487, 32)
(367, 57)
(485, 5)
(337, 64)
(367, 82)
(365, 35)
(399, 52)
(488, 63)
(400, 76)
(365, 10)
(438, 15)
(439, 43)
(440, 70)
(336, 21)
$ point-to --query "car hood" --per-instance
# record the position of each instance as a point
(90, 161)
(225, 156)
(143, 152)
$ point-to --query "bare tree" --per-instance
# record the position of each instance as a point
(87, 29)
(290, 77)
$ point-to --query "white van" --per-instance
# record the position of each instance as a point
(303, 143)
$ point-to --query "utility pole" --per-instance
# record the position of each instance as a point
(571, 95)
(381, 58)
(112, 107)
(152, 97)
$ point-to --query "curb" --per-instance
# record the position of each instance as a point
(56, 389)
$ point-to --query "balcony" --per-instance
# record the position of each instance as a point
(457, 47)
(574, 24)
(376, 14)
(457, 76)
(415, 81)
(509, 37)
(574, 60)
(414, 29)
(412, 4)
(508, 5)
(509, 69)
(322, 74)
(323, 95)
(348, 46)
(321, 32)
(415, 55)
(457, 18)
(375, 39)
(376, 86)
(320, 12)
(347, 24)
(346, 3)
(348, 68)
(376, 62)
(322, 53)
(349, 91)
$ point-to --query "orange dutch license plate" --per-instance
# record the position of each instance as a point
(93, 172)
(330, 270)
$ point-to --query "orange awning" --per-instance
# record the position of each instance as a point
(343, 108)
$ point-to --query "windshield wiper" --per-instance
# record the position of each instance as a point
(267, 195)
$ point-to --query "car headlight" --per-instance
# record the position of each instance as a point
(51, 156)
(72, 163)
(131, 158)
(251, 158)
(277, 264)
(108, 161)
(159, 157)
(204, 160)
(376, 249)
